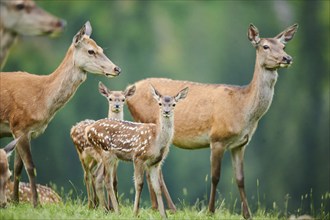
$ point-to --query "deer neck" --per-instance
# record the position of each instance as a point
(261, 90)
(165, 131)
(64, 82)
(7, 39)
(116, 115)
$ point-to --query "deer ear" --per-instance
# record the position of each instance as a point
(182, 94)
(155, 93)
(253, 35)
(130, 91)
(10, 147)
(85, 30)
(287, 34)
(103, 90)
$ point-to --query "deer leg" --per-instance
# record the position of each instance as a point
(109, 185)
(237, 155)
(99, 178)
(91, 168)
(87, 182)
(152, 194)
(155, 181)
(217, 152)
(18, 166)
(24, 151)
(169, 201)
(115, 180)
(138, 184)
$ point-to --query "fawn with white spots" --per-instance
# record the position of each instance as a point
(90, 159)
(147, 145)
(27, 116)
(46, 194)
(221, 117)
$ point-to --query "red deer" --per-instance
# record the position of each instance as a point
(29, 102)
(24, 18)
(222, 117)
(90, 159)
(146, 145)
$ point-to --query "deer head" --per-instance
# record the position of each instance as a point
(89, 57)
(24, 17)
(270, 51)
(116, 99)
(167, 103)
(5, 173)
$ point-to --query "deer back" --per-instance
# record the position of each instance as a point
(123, 138)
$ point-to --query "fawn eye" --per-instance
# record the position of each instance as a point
(110, 99)
(265, 47)
(123, 100)
(160, 104)
(20, 6)
(91, 52)
(173, 104)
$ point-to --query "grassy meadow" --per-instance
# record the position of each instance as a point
(75, 207)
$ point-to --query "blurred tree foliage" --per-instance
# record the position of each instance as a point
(203, 41)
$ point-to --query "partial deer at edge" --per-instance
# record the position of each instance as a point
(147, 145)
(5, 173)
(222, 117)
(90, 160)
(24, 18)
(29, 102)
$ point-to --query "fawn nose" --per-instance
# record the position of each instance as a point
(287, 59)
(117, 70)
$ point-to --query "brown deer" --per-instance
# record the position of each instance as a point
(147, 145)
(223, 117)
(5, 173)
(46, 194)
(24, 18)
(29, 102)
(90, 160)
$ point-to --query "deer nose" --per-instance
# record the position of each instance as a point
(287, 59)
(117, 70)
(60, 23)
(117, 106)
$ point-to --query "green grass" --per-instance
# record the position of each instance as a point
(77, 209)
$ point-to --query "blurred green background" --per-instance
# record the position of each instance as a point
(203, 41)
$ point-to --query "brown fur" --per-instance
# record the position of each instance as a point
(145, 144)
(29, 102)
(223, 117)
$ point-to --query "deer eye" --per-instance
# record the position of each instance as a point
(265, 47)
(123, 100)
(110, 99)
(91, 52)
(160, 104)
(173, 104)
(20, 6)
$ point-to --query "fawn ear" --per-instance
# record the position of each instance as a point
(129, 91)
(182, 94)
(85, 30)
(253, 35)
(10, 147)
(103, 90)
(155, 93)
(286, 35)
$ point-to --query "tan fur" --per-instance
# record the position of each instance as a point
(146, 145)
(89, 158)
(29, 102)
(217, 115)
(46, 194)
(24, 17)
